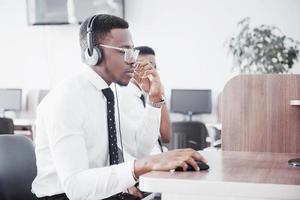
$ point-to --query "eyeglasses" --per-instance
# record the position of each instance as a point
(130, 55)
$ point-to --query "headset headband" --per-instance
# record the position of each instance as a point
(90, 42)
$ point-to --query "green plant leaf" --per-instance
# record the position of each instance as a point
(262, 49)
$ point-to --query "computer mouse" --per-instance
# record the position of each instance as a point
(201, 165)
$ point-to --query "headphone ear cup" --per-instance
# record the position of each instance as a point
(93, 59)
(99, 53)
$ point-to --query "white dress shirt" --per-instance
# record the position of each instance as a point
(133, 110)
(72, 142)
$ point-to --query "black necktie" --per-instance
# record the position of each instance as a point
(112, 139)
(142, 97)
(112, 136)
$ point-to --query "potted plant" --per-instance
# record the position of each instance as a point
(262, 49)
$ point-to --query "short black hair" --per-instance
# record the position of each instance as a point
(145, 50)
(102, 25)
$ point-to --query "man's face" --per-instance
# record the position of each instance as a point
(116, 68)
(148, 58)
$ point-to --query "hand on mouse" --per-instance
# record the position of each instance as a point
(201, 165)
(169, 161)
(135, 192)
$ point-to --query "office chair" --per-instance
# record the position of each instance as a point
(189, 134)
(6, 126)
(17, 167)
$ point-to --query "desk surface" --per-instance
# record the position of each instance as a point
(241, 174)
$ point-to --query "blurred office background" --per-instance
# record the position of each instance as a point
(189, 38)
(39, 47)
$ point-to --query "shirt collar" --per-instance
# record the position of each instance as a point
(136, 90)
(94, 78)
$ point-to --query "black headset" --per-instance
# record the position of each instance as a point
(92, 54)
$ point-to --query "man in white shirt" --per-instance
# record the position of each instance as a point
(133, 102)
(76, 141)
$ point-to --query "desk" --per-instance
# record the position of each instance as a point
(232, 175)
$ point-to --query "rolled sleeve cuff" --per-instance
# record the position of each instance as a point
(125, 171)
(153, 112)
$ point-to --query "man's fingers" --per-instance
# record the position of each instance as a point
(151, 75)
(136, 77)
(193, 163)
(197, 156)
(142, 67)
(135, 191)
(138, 193)
(184, 166)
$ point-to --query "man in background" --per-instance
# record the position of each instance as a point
(134, 97)
(133, 100)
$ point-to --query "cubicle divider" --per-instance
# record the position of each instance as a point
(259, 114)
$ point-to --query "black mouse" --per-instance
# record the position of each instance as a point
(201, 165)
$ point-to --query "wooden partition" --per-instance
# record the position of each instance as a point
(257, 114)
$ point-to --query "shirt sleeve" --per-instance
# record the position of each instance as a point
(70, 157)
(140, 128)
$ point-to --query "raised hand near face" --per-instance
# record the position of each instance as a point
(148, 79)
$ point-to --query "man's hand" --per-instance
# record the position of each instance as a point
(135, 192)
(168, 161)
(148, 79)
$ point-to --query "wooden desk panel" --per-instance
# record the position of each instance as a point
(257, 115)
(232, 175)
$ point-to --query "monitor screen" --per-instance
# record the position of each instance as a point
(53, 12)
(191, 101)
(10, 99)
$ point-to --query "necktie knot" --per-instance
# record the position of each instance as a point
(108, 93)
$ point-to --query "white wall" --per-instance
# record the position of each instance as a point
(188, 37)
(34, 57)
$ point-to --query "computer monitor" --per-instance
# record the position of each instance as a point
(10, 99)
(54, 12)
(191, 101)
